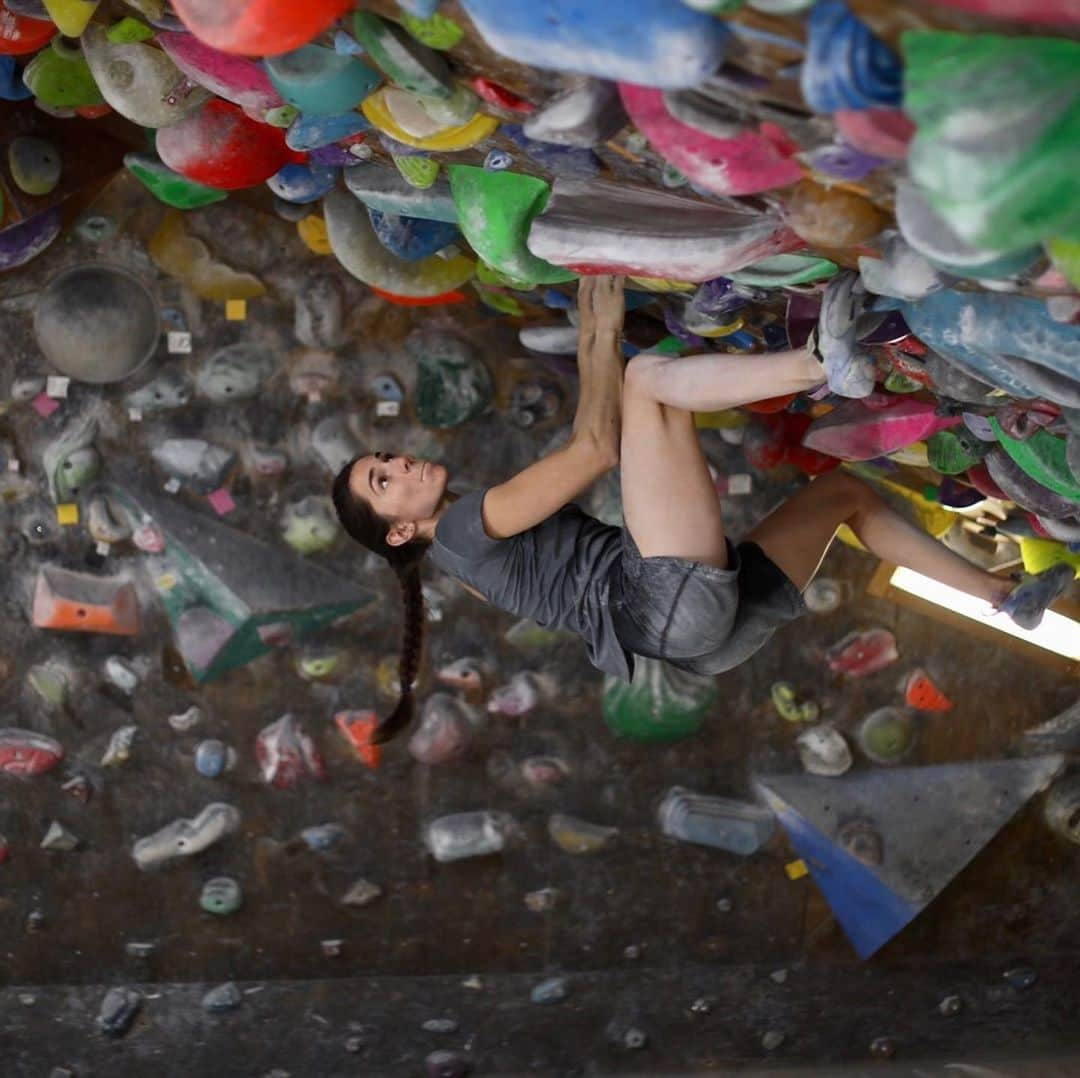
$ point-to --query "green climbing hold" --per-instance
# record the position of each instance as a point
(1043, 457)
(997, 151)
(1066, 256)
(779, 271)
(168, 186)
(416, 170)
(452, 385)
(128, 30)
(497, 300)
(489, 275)
(403, 60)
(495, 212)
(901, 383)
(661, 703)
(60, 76)
(438, 32)
(788, 705)
(953, 451)
(282, 116)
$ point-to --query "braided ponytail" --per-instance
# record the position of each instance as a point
(364, 525)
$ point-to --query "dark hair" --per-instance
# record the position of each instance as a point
(369, 529)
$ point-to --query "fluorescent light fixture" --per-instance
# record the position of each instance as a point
(1057, 633)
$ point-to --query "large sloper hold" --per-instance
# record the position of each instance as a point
(235, 78)
(229, 596)
(997, 151)
(81, 602)
(929, 233)
(319, 81)
(851, 431)
(658, 43)
(21, 242)
(661, 703)
(139, 81)
(745, 161)
(495, 212)
(1000, 338)
(1028, 493)
(602, 227)
(412, 238)
(168, 186)
(387, 191)
(358, 249)
(404, 60)
(882, 844)
(1059, 734)
(258, 27)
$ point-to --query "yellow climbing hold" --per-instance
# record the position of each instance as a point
(658, 284)
(1041, 554)
(71, 16)
(312, 230)
(236, 310)
(729, 419)
(67, 513)
(796, 869)
(720, 331)
(191, 262)
(448, 140)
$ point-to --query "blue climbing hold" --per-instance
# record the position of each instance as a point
(566, 162)
(657, 43)
(12, 87)
(847, 66)
(312, 132)
(301, 184)
(412, 238)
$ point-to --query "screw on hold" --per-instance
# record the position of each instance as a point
(179, 91)
(725, 905)
(701, 1006)
(883, 1048)
(1022, 977)
(950, 1005)
(635, 1038)
(772, 1040)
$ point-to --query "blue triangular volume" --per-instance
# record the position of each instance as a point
(867, 910)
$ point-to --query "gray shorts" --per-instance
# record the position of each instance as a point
(697, 617)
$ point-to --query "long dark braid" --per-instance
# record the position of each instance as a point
(369, 529)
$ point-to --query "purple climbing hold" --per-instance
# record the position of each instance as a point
(1029, 601)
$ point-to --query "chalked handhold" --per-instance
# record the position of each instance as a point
(258, 27)
(169, 186)
(182, 838)
(221, 896)
(118, 1010)
(96, 323)
(20, 34)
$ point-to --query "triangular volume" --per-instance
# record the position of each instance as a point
(882, 844)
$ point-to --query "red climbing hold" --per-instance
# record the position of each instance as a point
(220, 146)
(923, 695)
(359, 728)
(258, 27)
(26, 752)
(419, 301)
(500, 96)
(19, 34)
(859, 654)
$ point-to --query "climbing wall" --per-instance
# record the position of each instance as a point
(241, 242)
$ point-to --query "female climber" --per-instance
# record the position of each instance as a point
(669, 584)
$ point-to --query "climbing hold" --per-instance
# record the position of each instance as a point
(447, 125)
(603, 227)
(1043, 457)
(832, 216)
(258, 27)
(823, 750)
(234, 372)
(436, 31)
(322, 836)
(213, 758)
(553, 990)
(823, 595)
(139, 80)
(495, 210)
(887, 735)
(664, 44)
(1062, 808)
(26, 752)
(169, 186)
(861, 653)
(452, 385)
(359, 728)
(220, 146)
(954, 451)
(59, 76)
(585, 114)
(34, 163)
(851, 431)
(361, 893)
(846, 65)
(789, 707)
(191, 261)
(286, 753)
(1018, 189)
(445, 730)
(719, 822)
(183, 838)
(356, 246)
(118, 1011)
(412, 238)
(661, 703)
(1020, 977)
(743, 162)
(469, 834)
(577, 836)
(403, 59)
(921, 693)
(382, 189)
(80, 602)
(22, 34)
(521, 694)
(319, 81)
(302, 183)
(223, 998)
(221, 896)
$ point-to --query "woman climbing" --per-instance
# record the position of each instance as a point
(669, 584)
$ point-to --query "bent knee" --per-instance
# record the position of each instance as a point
(641, 374)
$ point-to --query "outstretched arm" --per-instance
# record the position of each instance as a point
(545, 487)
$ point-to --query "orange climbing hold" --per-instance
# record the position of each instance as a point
(258, 27)
(923, 695)
(79, 602)
(359, 728)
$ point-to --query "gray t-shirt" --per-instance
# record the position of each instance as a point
(557, 573)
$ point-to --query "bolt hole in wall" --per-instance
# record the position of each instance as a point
(361, 229)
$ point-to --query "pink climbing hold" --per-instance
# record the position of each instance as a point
(881, 132)
(1044, 12)
(853, 431)
(235, 78)
(860, 654)
(752, 161)
(26, 752)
